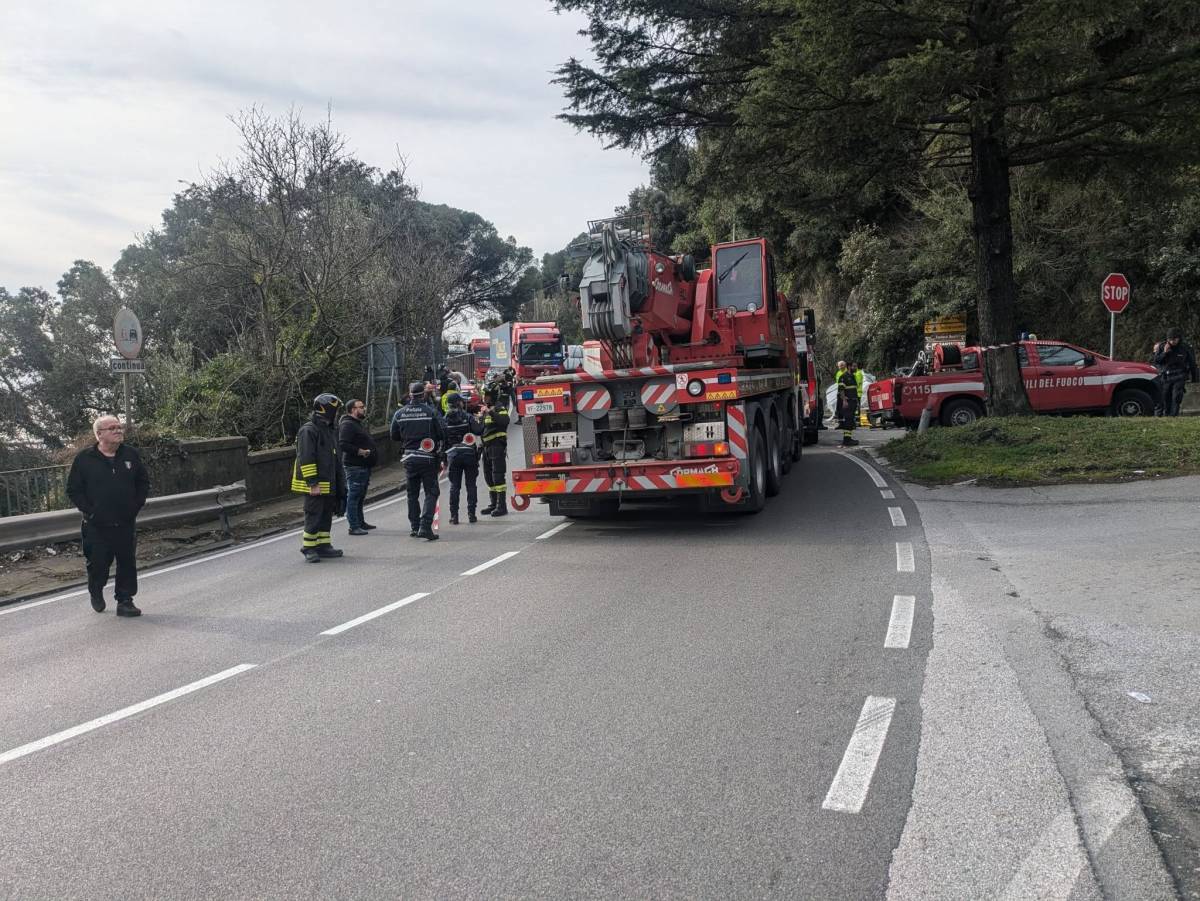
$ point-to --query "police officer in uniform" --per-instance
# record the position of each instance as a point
(462, 455)
(318, 475)
(848, 406)
(495, 451)
(419, 428)
(1176, 366)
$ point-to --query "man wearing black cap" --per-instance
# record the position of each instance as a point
(418, 426)
(1176, 365)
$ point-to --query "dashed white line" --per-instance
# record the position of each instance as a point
(849, 790)
(900, 626)
(897, 516)
(482, 566)
(905, 561)
(367, 617)
(870, 470)
(887, 494)
(558, 528)
(58, 737)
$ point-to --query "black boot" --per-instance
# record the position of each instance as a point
(327, 550)
(501, 506)
(427, 533)
(453, 517)
(847, 441)
(311, 555)
(126, 608)
(471, 517)
(487, 511)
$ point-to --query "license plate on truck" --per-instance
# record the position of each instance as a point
(556, 440)
(536, 408)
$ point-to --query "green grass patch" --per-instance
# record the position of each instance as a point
(1049, 450)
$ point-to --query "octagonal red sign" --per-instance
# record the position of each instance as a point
(1115, 292)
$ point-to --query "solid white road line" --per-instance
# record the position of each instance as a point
(897, 516)
(887, 495)
(558, 528)
(853, 780)
(57, 737)
(870, 470)
(900, 626)
(905, 561)
(482, 566)
(367, 617)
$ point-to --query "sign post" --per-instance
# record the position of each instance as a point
(1115, 294)
(127, 335)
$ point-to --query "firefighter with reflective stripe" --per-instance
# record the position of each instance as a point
(462, 455)
(318, 475)
(847, 407)
(419, 428)
(495, 451)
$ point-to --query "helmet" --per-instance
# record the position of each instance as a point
(327, 406)
(416, 389)
(453, 399)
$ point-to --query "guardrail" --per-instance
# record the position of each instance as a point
(33, 490)
(33, 529)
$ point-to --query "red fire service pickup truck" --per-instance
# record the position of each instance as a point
(1059, 378)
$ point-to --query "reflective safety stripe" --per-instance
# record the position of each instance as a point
(540, 486)
(302, 487)
(497, 489)
(493, 437)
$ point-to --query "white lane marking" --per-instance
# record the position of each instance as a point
(900, 626)
(853, 780)
(482, 566)
(897, 516)
(558, 528)
(887, 495)
(242, 548)
(905, 561)
(108, 718)
(870, 470)
(367, 617)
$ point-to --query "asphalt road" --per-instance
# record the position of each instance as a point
(660, 705)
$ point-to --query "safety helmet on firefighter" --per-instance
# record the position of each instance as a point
(327, 406)
(416, 389)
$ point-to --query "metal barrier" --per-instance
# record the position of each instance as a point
(33, 529)
(33, 490)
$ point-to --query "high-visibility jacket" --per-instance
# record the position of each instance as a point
(318, 460)
(858, 378)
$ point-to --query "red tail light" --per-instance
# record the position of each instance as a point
(551, 458)
(708, 449)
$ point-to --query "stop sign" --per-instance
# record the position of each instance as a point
(1115, 292)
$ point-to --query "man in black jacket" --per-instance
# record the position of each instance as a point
(1176, 366)
(418, 427)
(359, 456)
(462, 456)
(318, 475)
(109, 484)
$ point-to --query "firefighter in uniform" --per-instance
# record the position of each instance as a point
(495, 452)
(318, 475)
(847, 406)
(418, 427)
(462, 456)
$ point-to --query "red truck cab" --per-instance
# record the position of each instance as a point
(1059, 378)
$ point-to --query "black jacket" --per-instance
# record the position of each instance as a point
(318, 461)
(417, 422)
(1176, 363)
(108, 492)
(459, 424)
(353, 436)
(495, 425)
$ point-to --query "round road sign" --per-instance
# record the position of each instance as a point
(1115, 292)
(127, 333)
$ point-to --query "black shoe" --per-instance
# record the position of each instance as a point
(415, 533)
(453, 519)
(98, 603)
(368, 526)
(126, 608)
(471, 517)
(487, 511)
(326, 550)
(311, 555)
(428, 534)
(358, 531)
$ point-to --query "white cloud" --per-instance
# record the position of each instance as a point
(109, 106)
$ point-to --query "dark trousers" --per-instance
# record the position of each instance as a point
(357, 479)
(464, 465)
(1172, 396)
(102, 545)
(848, 413)
(318, 517)
(422, 476)
(495, 459)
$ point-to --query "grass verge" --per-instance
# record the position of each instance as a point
(1048, 450)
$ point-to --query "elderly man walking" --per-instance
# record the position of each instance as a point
(109, 484)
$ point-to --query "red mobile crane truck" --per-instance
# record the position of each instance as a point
(698, 390)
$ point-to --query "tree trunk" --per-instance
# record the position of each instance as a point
(990, 193)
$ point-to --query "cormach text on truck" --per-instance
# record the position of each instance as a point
(1059, 378)
(691, 384)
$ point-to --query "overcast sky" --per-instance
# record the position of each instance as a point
(107, 105)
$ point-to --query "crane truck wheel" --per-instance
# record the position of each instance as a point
(774, 451)
(756, 495)
(787, 444)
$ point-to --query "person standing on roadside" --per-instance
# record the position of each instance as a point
(109, 485)
(462, 438)
(848, 406)
(418, 427)
(494, 416)
(1176, 364)
(359, 456)
(318, 475)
